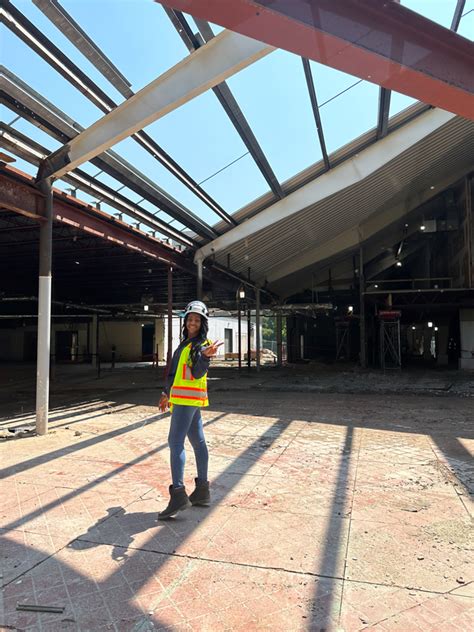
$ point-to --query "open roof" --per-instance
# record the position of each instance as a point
(246, 145)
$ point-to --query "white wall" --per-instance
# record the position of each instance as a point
(216, 332)
(12, 341)
(466, 322)
(126, 337)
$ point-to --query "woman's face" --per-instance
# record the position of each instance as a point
(193, 324)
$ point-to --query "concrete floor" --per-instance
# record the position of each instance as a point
(331, 511)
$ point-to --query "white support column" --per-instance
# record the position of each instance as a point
(257, 328)
(219, 59)
(44, 313)
(199, 278)
(94, 341)
(279, 339)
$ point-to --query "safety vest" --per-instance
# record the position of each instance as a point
(187, 390)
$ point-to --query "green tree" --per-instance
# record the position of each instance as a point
(269, 328)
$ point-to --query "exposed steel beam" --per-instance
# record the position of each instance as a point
(15, 197)
(37, 40)
(222, 57)
(227, 100)
(18, 194)
(317, 117)
(24, 198)
(457, 14)
(381, 42)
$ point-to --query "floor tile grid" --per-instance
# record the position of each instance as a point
(404, 617)
(39, 620)
(234, 509)
(463, 494)
(290, 447)
(359, 435)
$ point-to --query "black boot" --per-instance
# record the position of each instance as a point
(201, 495)
(178, 502)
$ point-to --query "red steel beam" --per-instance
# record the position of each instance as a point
(18, 194)
(21, 199)
(377, 40)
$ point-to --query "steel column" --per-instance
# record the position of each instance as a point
(97, 345)
(95, 341)
(170, 317)
(470, 231)
(249, 345)
(257, 328)
(44, 312)
(363, 337)
(199, 279)
(279, 339)
(239, 332)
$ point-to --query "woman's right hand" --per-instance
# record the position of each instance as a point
(163, 404)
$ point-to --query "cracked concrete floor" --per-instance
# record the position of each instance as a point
(330, 512)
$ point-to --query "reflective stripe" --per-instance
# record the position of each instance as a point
(183, 391)
(192, 397)
(186, 389)
(187, 373)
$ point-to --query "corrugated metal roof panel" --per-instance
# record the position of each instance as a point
(442, 152)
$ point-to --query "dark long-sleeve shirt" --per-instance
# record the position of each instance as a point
(199, 368)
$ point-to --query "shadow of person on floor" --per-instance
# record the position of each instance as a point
(105, 531)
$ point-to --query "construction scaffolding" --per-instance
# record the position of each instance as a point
(343, 339)
(390, 348)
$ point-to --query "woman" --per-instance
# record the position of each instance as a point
(186, 393)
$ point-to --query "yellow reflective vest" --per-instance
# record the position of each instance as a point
(187, 390)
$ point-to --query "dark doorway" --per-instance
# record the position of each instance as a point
(148, 334)
(30, 346)
(228, 338)
(66, 346)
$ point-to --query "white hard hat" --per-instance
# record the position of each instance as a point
(197, 307)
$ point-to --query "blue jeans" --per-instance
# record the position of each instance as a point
(186, 421)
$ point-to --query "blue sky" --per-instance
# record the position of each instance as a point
(138, 37)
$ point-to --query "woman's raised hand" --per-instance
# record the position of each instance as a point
(211, 350)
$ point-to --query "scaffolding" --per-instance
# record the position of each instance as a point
(343, 339)
(390, 348)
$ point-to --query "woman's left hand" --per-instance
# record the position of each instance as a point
(211, 350)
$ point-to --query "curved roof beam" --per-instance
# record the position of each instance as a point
(382, 42)
(351, 238)
(340, 177)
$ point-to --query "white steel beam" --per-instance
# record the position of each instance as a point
(222, 57)
(337, 179)
(351, 238)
